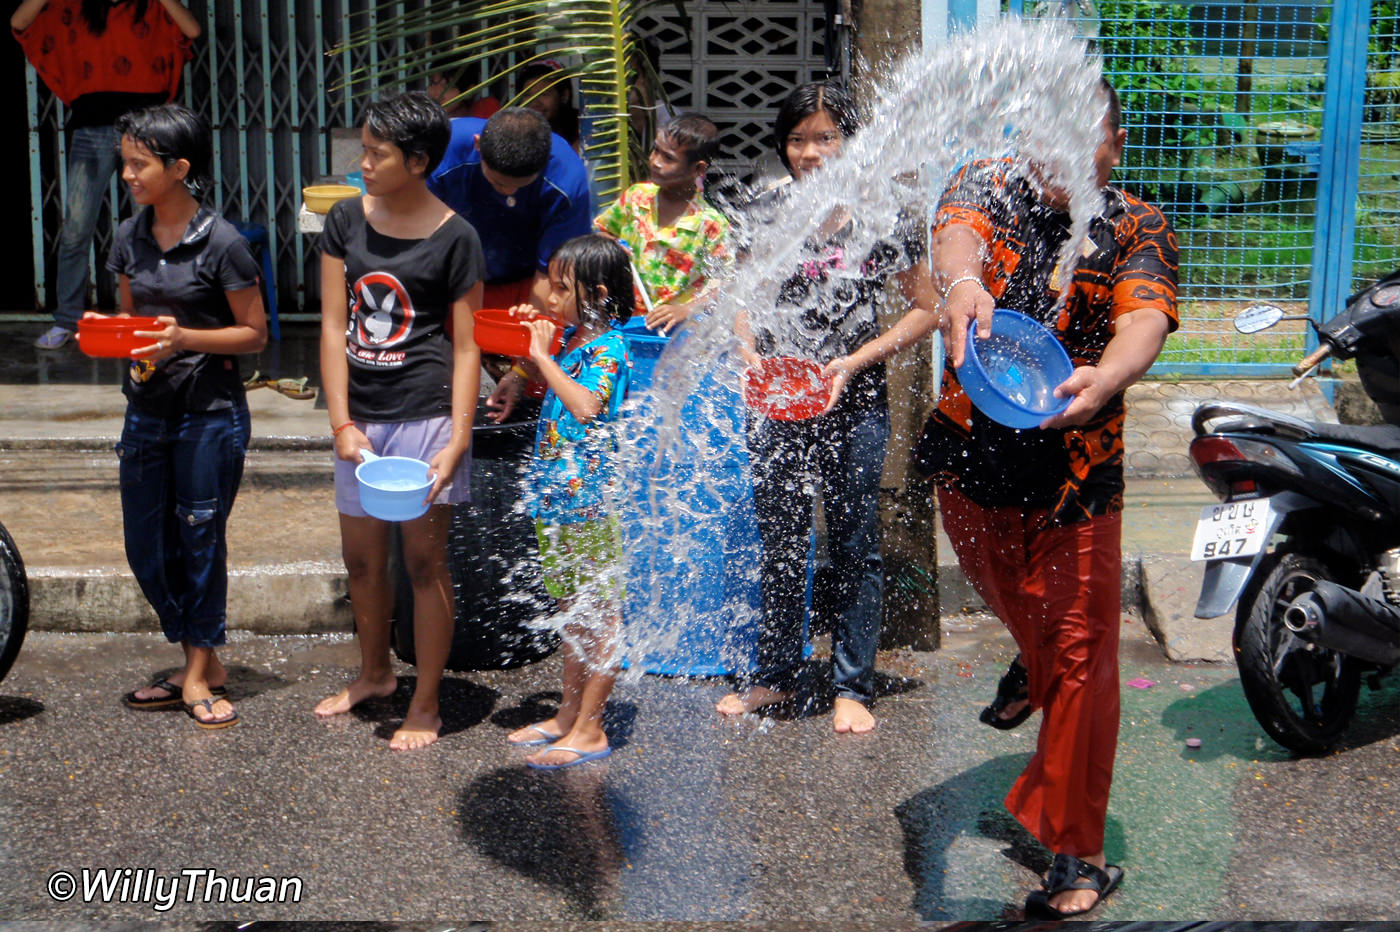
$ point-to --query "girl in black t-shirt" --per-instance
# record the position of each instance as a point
(186, 427)
(842, 450)
(400, 279)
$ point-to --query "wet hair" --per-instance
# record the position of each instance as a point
(565, 120)
(1115, 108)
(807, 99)
(595, 260)
(697, 135)
(172, 133)
(516, 142)
(415, 123)
(94, 13)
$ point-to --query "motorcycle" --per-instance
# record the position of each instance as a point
(14, 602)
(1306, 540)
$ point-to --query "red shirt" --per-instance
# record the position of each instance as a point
(132, 56)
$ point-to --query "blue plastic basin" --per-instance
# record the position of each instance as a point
(393, 488)
(1011, 375)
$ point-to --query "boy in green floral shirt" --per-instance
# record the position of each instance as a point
(678, 241)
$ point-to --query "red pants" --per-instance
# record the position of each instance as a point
(1058, 590)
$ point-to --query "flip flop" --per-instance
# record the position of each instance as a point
(253, 381)
(1067, 872)
(1014, 686)
(210, 723)
(175, 698)
(294, 388)
(582, 757)
(544, 738)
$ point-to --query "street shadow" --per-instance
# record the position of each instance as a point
(560, 829)
(619, 717)
(969, 805)
(17, 709)
(461, 702)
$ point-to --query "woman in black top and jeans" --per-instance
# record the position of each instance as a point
(186, 427)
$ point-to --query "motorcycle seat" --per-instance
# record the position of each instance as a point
(1379, 438)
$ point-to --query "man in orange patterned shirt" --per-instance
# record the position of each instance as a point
(1035, 515)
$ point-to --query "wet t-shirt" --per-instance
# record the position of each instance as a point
(189, 282)
(840, 298)
(1128, 262)
(399, 295)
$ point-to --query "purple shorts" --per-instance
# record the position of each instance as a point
(420, 440)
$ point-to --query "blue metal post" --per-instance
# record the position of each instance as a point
(1340, 170)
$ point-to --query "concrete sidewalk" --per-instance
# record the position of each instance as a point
(59, 499)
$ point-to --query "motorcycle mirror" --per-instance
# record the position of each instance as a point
(1258, 317)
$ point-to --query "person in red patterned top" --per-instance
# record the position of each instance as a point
(103, 60)
(1035, 515)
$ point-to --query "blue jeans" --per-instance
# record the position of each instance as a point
(844, 453)
(179, 476)
(92, 158)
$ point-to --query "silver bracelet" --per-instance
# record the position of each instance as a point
(958, 281)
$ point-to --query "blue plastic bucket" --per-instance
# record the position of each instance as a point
(646, 347)
(393, 488)
(1011, 375)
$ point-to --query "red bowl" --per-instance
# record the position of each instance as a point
(787, 389)
(115, 337)
(499, 332)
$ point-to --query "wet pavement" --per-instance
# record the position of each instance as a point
(692, 818)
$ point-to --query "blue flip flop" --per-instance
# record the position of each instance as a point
(544, 738)
(582, 757)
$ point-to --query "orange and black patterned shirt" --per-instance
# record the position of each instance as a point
(1128, 262)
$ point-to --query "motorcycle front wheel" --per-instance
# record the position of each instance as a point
(14, 602)
(1303, 694)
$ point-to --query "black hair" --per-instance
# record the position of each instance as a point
(173, 132)
(565, 121)
(94, 13)
(696, 134)
(595, 260)
(1115, 108)
(515, 142)
(415, 123)
(807, 99)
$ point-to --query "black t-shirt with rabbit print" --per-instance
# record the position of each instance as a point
(399, 294)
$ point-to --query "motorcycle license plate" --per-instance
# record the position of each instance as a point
(1237, 529)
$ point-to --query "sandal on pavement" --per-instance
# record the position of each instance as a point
(294, 388)
(1069, 873)
(580, 757)
(211, 723)
(544, 738)
(1014, 686)
(175, 698)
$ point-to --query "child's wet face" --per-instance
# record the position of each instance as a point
(147, 177)
(811, 142)
(563, 300)
(669, 165)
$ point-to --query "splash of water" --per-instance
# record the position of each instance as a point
(1022, 92)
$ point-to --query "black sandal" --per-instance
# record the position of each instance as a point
(1069, 873)
(1014, 686)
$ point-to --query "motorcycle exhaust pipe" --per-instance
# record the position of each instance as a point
(1348, 622)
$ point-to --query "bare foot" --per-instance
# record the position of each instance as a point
(1012, 709)
(851, 716)
(417, 731)
(571, 747)
(212, 712)
(750, 700)
(355, 693)
(535, 734)
(1079, 901)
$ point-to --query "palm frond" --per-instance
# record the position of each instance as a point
(498, 38)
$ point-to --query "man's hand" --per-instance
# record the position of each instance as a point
(1088, 388)
(965, 302)
(503, 400)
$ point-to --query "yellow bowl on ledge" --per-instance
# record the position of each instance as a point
(319, 198)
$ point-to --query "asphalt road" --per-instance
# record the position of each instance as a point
(692, 819)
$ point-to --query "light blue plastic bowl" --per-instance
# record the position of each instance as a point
(393, 488)
(1011, 375)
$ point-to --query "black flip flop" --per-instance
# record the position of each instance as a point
(1069, 873)
(210, 723)
(175, 698)
(1014, 686)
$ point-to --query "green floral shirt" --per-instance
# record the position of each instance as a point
(674, 262)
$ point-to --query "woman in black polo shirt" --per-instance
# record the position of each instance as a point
(186, 426)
